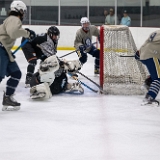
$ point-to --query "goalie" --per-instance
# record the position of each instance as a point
(51, 78)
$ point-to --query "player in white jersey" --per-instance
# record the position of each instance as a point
(51, 78)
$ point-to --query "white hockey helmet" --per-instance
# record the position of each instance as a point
(18, 6)
(84, 20)
(85, 23)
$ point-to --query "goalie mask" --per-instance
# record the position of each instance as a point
(54, 33)
(85, 23)
(20, 8)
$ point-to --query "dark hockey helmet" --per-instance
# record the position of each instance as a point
(53, 30)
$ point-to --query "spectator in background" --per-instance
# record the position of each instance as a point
(126, 20)
(105, 13)
(110, 19)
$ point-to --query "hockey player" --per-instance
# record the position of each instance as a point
(51, 78)
(149, 55)
(32, 52)
(83, 42)
(10, 30)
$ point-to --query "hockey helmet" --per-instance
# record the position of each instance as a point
(85, 23)
(18, 6)
(84, 20)
(53, 30)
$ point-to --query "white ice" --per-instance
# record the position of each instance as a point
(79, 127)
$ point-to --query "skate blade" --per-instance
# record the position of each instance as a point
(154, 104)
(7, 108)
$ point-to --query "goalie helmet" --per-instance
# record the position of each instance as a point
(19, 7)
(85, 23)
(53, 30)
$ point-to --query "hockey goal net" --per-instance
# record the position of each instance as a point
(119, 74)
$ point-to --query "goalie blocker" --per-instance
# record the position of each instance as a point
(51, 79)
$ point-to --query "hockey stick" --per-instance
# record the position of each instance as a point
(126, 56)
(22, 44)
(75, 78)
(69, 53)
(74, 51)
(100, 88)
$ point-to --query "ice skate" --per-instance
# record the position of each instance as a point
(9, 103)
(150, 101)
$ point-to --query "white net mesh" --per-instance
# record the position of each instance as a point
(121, 75)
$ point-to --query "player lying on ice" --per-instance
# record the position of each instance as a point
(149, 55)
(51, 78)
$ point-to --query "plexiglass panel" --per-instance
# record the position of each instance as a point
(151, 13)
(98, 10)
(44, 12)
(72, 11)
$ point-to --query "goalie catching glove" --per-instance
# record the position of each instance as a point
(72, 65)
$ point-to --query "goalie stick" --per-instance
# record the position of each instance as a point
(75, 78)
(100, 88)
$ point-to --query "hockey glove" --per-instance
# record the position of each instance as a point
(72, 65)
(137, 56)
(50, 63)
(32, 35)
(82, 48)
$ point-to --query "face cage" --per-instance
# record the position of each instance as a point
(86, 28)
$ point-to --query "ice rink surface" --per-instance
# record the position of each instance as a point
(79, 127)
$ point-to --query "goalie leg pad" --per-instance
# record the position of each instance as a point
(74, 88)
(41, 91)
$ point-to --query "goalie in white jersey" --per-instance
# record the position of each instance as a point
(51, 78)
(83, 42)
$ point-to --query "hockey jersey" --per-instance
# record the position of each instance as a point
(48, 47)
(85, 38)
(151, 47)
(10, 30)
